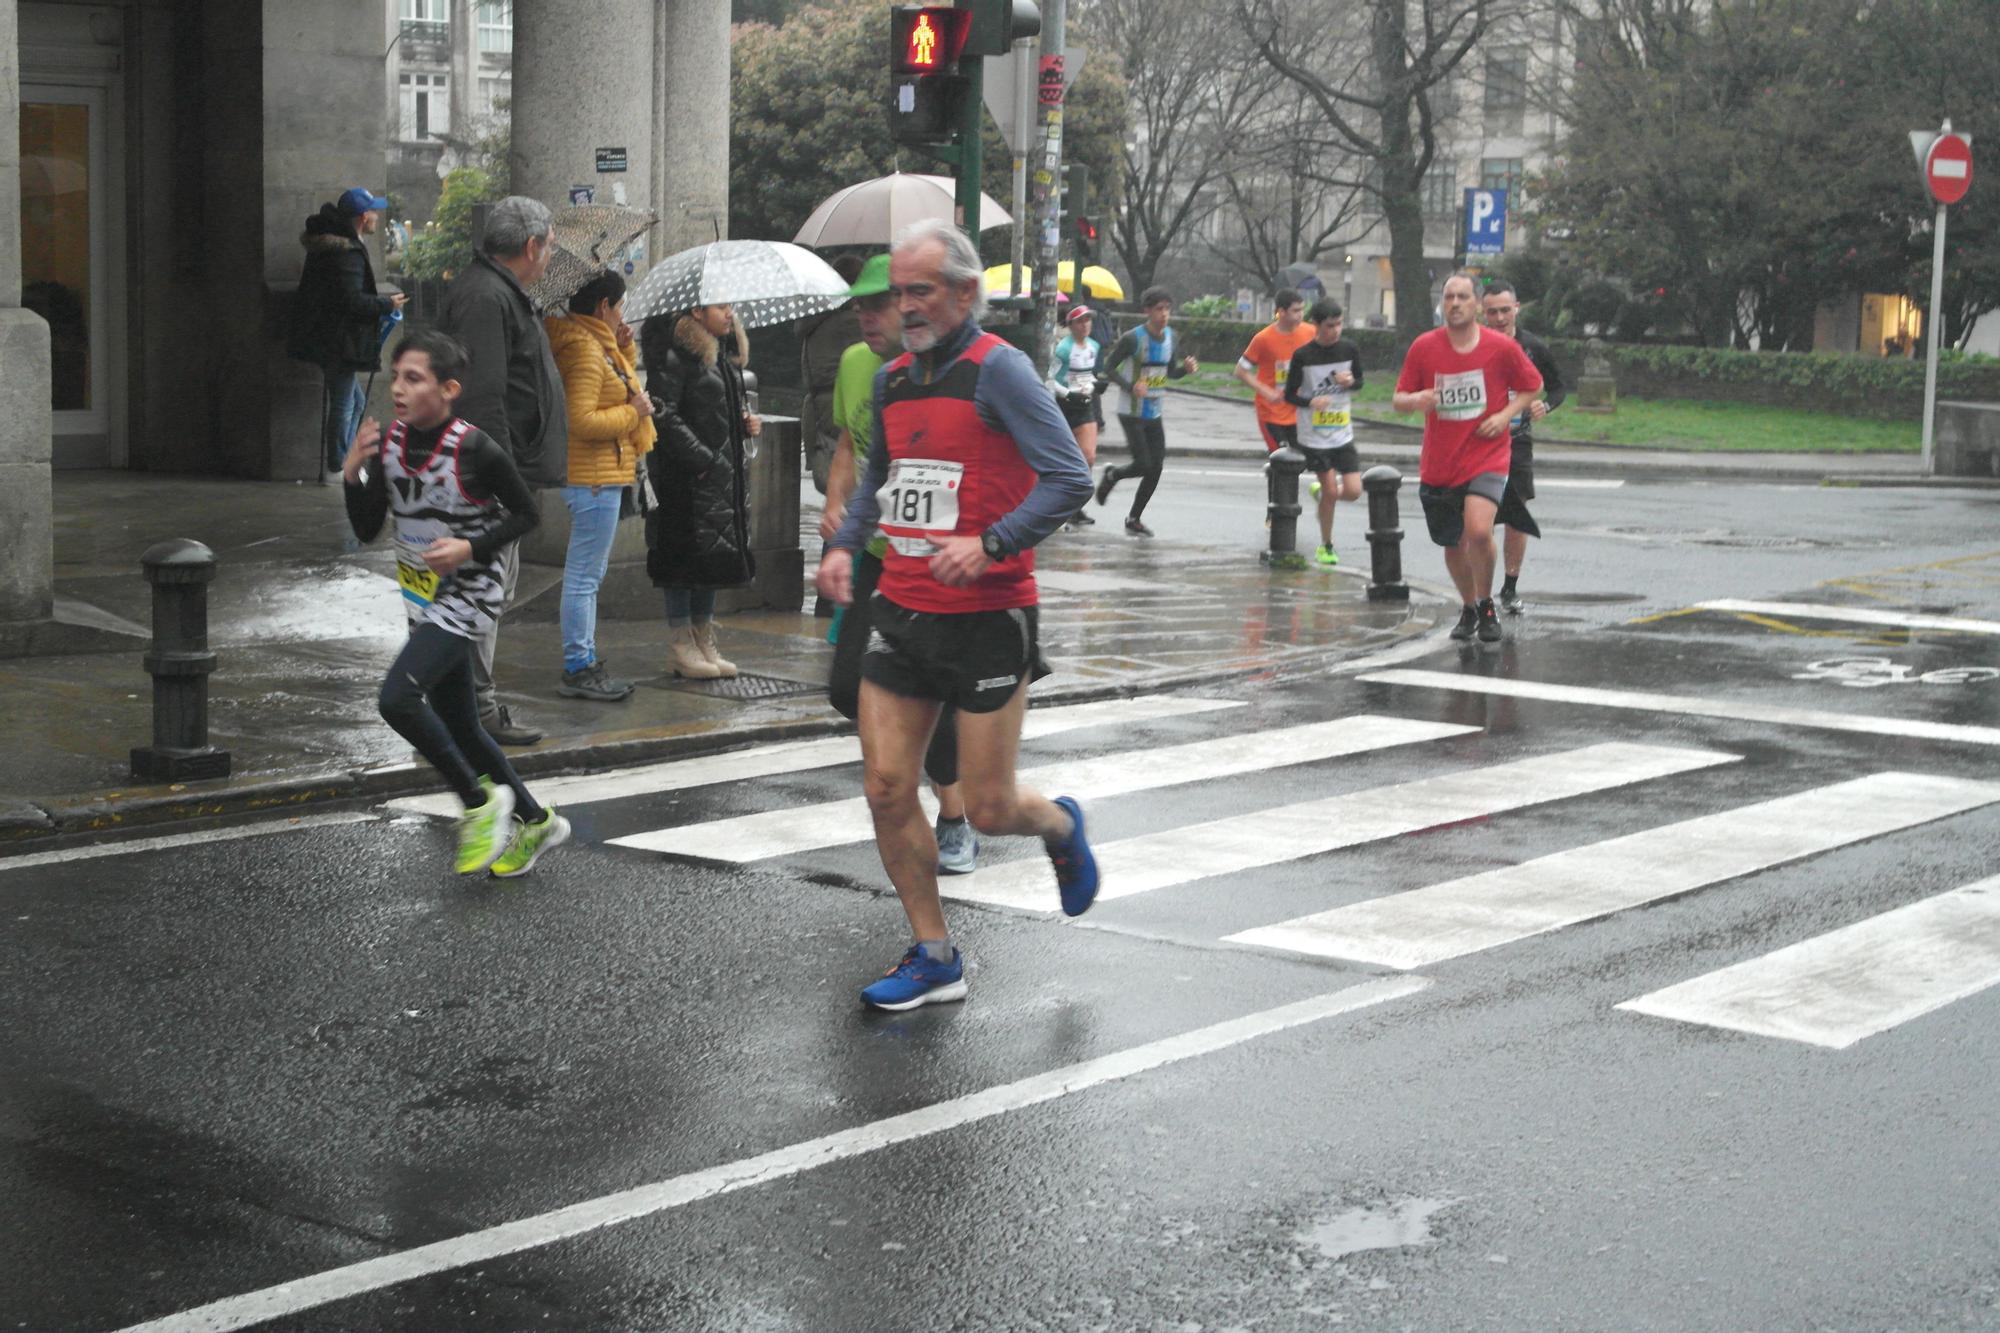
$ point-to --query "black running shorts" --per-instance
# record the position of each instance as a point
(974, 660)
(1521, 475)
(1341, 458)
(1277, 437)
(1444, 506)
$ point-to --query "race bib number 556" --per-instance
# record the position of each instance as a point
(1462, 397)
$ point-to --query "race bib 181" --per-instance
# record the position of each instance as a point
(920, 496)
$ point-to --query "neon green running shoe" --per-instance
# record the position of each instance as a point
(1325, 556)
(1315, 489)
(530, 841)
(483, 828)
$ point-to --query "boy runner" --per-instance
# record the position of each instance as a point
(1151, 348)
(458, 501)
(1325, 373)
(1503, 308)
(1469, 383)
(1267, 361)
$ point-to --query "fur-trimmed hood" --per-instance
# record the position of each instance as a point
(695, 340)
(328, 232)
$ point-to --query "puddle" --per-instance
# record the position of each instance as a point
(1391, 1226)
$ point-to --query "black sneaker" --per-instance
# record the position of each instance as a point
(1510, 600)
(1082, 520)
(594, 682)
(1134, 528)
(1468, 620)
(500, 725)
(1489, 622)
(1104, 485)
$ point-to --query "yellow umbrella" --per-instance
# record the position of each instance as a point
(1098, 282)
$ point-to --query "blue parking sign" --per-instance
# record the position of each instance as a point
(1485, 222)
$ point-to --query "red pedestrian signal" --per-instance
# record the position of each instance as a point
(926, 39)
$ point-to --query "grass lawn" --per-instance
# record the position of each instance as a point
(1658, 423)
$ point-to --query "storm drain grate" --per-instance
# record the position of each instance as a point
(745, 686)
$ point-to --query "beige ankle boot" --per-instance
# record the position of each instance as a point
(689, 660)
(704, 638)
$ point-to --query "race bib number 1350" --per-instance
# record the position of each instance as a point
(1462, 397)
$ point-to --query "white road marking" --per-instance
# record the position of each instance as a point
(1855, 615)
(1308, 828)
(1690, 705)
(1834, 989)
(765, 761)
(176, 840)
(1579, 483)
(1463, 916)
(798, 829)
(578, 1219)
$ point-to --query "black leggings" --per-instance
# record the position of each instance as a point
(843, 686)
(427, 697)
(1148, 440)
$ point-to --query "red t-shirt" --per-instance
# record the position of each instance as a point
(1270, 355)
(1471, 387)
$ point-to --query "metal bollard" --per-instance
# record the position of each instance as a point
(179, 660)
(1385, 537)
(1284, 467)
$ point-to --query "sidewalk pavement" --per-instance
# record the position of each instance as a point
(304, 632)
(1204, 425)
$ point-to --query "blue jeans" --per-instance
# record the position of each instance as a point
(685, 604)
(340, 414)
(593, 524)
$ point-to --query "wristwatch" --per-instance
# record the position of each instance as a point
(989, 542)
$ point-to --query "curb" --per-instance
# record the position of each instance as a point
(28, 825)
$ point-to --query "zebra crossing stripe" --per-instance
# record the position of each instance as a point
(1689, 705)
(1853, 615)
(1834, 989)
(1463, 916)
(766, 761)
(783, 832)
(1308, 828)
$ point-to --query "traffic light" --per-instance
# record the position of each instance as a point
(1086, 241)
(926, 90)
(998, 24)
(1076, 204)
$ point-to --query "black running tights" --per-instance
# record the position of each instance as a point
(1148, 440)
(427, 697)
(843, 686)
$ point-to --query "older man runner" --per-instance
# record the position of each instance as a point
(1503, 308)
(972, 466)
(853, 414)
(513, 392)
(1469, 383)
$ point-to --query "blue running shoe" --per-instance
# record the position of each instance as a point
(919, 979)
(958, 848)
(1076, 867)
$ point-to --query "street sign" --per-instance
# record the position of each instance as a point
(611, 159)
(1002, 88)
(1948, 168)
(1485, 222)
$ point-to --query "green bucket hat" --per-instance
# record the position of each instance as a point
(874, 279)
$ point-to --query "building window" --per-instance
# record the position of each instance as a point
(425, 11)
(1506, 93)
(1440, 189)
(1501, 173)
(496, 26)
(492, 92)
(426, 107)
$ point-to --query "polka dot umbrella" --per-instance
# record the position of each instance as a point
(768, 282)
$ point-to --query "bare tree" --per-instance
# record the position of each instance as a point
(1293, 195)
(1371, 68)
(1193, 84)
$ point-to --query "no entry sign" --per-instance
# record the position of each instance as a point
(1948, 168)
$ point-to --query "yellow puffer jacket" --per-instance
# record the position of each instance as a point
(607, 435)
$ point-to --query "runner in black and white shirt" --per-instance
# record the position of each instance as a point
(1324, 376)
(456, 501)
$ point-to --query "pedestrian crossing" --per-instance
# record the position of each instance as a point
(1857, 980)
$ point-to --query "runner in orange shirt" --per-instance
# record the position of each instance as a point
(1265, 363)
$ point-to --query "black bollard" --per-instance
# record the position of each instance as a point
(179, 660)
(1284, 467)
(1385, 537)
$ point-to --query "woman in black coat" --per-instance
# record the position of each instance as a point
(698, 537)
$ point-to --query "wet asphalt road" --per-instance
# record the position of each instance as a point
(234, 1064)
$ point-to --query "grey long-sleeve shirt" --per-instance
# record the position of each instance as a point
(1009, 397)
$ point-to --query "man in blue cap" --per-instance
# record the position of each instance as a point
(337, 314)
(854, 414)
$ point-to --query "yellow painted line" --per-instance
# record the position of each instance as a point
(1665, 615)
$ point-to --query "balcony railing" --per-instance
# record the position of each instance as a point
(426, 39)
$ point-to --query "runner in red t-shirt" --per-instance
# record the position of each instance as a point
(1265, 363)
(1470, 383)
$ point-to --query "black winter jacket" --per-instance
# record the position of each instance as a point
(336, 314)
(513, 391)
(699, 537)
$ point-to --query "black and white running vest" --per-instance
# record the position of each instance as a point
(430, 502)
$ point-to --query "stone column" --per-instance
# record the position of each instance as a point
(27, 532)
(691, 124)
(583, 75)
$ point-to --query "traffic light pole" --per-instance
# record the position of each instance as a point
(971, 148)
(1046, 176)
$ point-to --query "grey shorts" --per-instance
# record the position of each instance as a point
(1444, 506)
